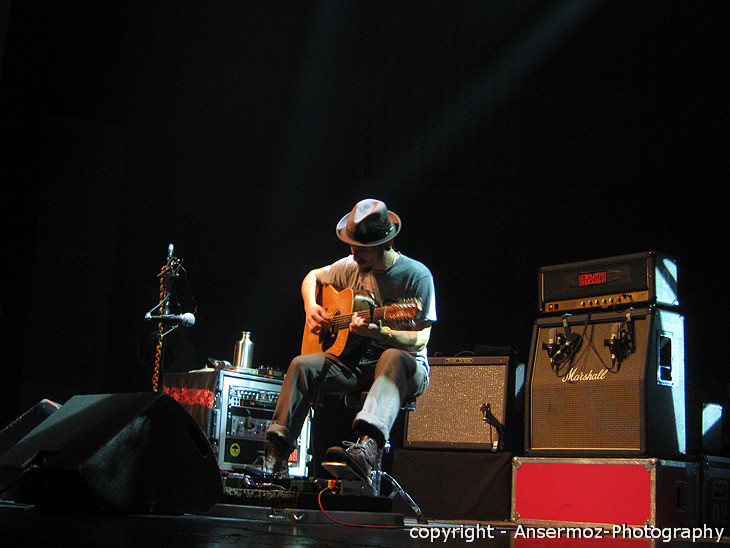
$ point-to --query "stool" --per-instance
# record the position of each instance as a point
(355, 401)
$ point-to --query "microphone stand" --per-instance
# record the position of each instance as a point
(162, 311)
(166, 275)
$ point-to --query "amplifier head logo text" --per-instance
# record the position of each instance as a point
(594, 278)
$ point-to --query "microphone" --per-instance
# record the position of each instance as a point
(186, 319)
(553, 343)
(621, 342)
(170, 257)
(569, 347)
(613, 342)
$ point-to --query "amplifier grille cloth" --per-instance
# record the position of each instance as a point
(604, 416)
(450, 411)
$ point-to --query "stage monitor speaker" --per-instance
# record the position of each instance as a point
(607, 384)
(20, 427)
(470, 404)
(114, 453)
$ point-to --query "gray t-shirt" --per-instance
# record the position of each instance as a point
(404, 279)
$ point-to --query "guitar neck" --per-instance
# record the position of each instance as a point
(342, 321)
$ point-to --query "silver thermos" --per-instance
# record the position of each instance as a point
(243, 352)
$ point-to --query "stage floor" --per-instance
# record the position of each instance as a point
(260, 528)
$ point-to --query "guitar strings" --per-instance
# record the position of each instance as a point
(341, 321)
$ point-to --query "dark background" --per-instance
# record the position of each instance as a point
(507, 135)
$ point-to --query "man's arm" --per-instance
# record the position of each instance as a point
(410, 341)
(316, 315)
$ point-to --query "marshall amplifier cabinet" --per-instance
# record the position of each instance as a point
(607, 384)
(472, 402)
(615, 282)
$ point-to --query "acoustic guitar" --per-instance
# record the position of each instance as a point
(336, 338)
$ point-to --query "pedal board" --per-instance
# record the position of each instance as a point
(242, 489)
(254, 479)
(341, 470)
(312, 516)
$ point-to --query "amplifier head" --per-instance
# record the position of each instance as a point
(615, 282)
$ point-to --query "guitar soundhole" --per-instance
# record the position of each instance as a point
(327, 338)
(328, 335)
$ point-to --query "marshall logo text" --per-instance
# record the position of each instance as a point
(575, 376)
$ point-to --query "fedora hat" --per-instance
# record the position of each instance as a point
(368, 224)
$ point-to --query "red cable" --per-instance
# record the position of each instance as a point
(160, 331)
(319, 501)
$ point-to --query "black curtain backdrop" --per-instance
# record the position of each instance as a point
(507, 135)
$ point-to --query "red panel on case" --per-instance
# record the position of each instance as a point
(584, 493)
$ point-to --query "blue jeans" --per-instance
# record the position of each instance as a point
(395, 376)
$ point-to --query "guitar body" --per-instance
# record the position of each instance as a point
(336, 339)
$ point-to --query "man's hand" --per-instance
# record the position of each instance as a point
(410, 341)
(360, 327)
(317, 318)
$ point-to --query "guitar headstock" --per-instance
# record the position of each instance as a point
(402, 313)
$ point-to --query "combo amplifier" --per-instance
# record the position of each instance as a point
(615, 282)
(472, 402)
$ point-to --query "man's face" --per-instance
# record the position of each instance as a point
(368, 258)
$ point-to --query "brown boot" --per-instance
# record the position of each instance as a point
(359, 457)
(275, 460)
